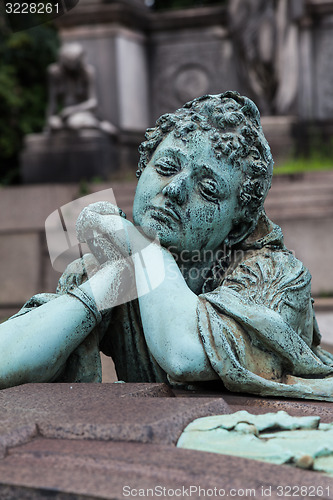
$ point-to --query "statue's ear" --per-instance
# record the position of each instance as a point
(240, 230)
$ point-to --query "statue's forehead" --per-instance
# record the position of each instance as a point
(193, 143)
(197, 146)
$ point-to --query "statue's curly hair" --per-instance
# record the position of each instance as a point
(236, 133)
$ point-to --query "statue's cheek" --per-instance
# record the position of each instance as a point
(206, 215)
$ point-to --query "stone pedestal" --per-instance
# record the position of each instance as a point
(112, 441)
(68, 156)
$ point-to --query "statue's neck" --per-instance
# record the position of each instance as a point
(195, 271)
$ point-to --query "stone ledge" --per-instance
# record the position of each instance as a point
(100, 470)
(93, 469)
(136, 16)
(105, 411)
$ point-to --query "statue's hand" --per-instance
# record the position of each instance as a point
(77, 272)
(105, 230)
(54, 122)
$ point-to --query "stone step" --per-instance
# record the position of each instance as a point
(94, 470)
(94, 465)
(98, 411)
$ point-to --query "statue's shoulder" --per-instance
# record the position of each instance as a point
(271, 262)
(271, 277)
(265, 255)
(269, 273)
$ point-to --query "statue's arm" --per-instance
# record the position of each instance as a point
(168, 311)
(169, 319)
(34, 347)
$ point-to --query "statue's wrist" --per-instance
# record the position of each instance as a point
(104, 286)
(87, 301)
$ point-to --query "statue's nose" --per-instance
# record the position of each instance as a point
(177, 190)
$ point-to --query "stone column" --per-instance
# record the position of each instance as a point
(316, 59)
(305, 98)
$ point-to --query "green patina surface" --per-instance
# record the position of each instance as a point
(273, 437)
(219, 298)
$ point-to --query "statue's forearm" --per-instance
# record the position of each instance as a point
(35, 346)
(169, 318)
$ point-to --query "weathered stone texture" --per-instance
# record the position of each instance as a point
(106, 411)
(35, 467)
(102, 470)
(190, 63)
(22, 248)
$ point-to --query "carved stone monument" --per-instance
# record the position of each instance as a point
(265, 35)
(220, 299)
(279, 53)
(75, 144)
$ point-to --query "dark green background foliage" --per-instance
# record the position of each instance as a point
(24, 57)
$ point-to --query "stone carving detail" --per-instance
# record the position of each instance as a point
(190, 82)
(206, 66)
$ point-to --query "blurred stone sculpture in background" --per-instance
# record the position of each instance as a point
(231, 305)
(72, 89)
(265, 34)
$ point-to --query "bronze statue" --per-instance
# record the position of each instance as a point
(231, 303)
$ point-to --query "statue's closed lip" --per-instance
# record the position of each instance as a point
(167, 211)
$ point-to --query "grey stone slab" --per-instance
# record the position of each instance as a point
(133, 83)
(112, 470)
(108, 369)
(278, 131)
(325, 323)
(26, 208)
(68, 156)
(312, 242)
(106, 411)
(307, 196)
(20, 270)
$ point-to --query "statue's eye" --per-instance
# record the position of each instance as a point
(209, 190)
(166, 166)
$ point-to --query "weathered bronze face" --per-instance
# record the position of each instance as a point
(186, 196)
